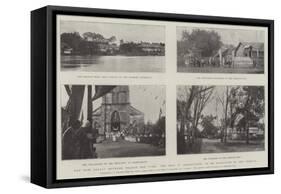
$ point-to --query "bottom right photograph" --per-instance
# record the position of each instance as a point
(220, 119)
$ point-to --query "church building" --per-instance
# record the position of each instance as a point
(116, 113)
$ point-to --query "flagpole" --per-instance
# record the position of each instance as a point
(90, 105)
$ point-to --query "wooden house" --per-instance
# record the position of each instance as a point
(249, 54)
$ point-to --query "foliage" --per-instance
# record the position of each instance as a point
(247, 101)
(93, 35)
(91, 43)
(129, 47)
(160, 126)
(190, 108)
(71, 40)
(206, 42)
(209, 129)
(253, 106)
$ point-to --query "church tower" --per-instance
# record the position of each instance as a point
(114, 106)
(116, 113)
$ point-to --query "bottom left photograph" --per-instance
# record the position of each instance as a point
(111, 121)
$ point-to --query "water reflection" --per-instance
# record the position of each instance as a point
(113, 63)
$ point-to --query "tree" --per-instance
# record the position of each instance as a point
(229, 104)
(253, 106)
(191, 102)
(224, 100)
(93, 35)
(209, 129)
(208, 42)
(203, 94)
(91, 47)
(233, 105)
(71, 40)
(247, 101)
(130, 48)
(195, 97)
(112, 39)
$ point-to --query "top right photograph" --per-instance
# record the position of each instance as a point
(219, 50)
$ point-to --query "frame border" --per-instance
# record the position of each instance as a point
(50, 108)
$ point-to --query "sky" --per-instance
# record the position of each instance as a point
(127, 32)
(213, 106)
(230, 36)
(147, 99)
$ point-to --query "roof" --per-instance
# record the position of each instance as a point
(150, 45)
(97, 111)
(254, 45)
(131, 111)
(97, 40)
(225, 50)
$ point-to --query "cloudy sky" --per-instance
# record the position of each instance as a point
(127, 32)
(230, 36)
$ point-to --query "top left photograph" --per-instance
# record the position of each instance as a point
(92, 46)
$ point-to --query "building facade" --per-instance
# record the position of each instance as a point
(251, 53)
(116, 114)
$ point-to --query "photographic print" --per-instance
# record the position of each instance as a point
(111, 47)
(220, 50)
(219, 119)
(99, 103)
(102, 121)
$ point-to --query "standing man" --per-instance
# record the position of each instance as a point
(70, 144)
(86, 137)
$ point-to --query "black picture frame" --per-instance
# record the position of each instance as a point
(43, 95)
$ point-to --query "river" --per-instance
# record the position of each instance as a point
(113, 63)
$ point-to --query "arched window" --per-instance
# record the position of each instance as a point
(115, 121)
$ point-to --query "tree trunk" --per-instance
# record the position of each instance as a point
(225, 115)
(247, 132)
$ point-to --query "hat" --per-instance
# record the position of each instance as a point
(86, 123)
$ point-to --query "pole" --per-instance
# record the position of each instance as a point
(90, 105)
(104, 117)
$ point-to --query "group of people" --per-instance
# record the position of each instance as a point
(194, 61)
(78, 141)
